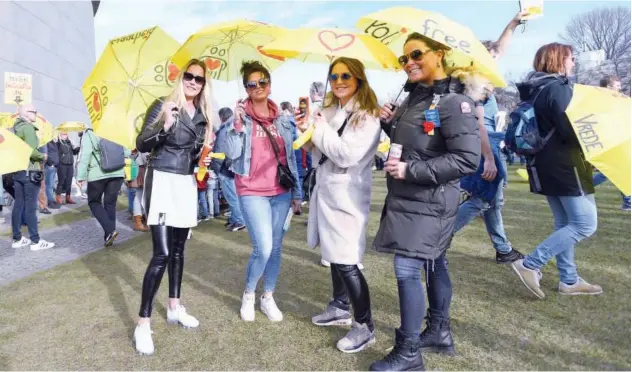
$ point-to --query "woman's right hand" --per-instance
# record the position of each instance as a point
(171, 116)
(387, 112)
(240, 112)
(301, 120)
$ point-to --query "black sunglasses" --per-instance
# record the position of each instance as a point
(187, 76)
(415, 55)
(33, 112)
(344, 76)
(263, 82)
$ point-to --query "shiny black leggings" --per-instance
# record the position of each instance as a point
(168, 251)
(349, 284)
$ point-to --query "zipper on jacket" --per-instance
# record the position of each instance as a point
(579, 182)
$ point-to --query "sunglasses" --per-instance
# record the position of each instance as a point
(187, 76)
(415, 55)
(344, 76)
(263, 82)
(32, 112)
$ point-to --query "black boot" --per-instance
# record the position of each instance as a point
(436, 338)
(405, 356)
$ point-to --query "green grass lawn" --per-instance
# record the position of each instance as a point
(81, 316)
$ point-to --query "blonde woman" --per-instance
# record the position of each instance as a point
(345, 138)
(174, 131)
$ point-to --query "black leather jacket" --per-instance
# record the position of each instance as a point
(176, 150)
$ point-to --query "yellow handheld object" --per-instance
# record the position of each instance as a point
(128, 169)
(218, 155)
(201, 173)
(303, 139)
(384, 146)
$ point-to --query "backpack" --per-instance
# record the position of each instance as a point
(522, 135)
(112, 155)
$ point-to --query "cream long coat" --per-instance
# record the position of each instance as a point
(341, 200)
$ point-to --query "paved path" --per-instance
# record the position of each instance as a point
(72, 241)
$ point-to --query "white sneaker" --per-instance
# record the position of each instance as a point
(142, 339)
(269, 307)
(41, 245)
(360, 266)
(21, 243)
(179, 316)
(325, 263)
(248, 307)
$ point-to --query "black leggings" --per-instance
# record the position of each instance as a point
(349, 283)
(168, 251)
(65, 172)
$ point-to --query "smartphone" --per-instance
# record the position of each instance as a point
(303, 105)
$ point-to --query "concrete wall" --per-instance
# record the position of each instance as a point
(54, 42)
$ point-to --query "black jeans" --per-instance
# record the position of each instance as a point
(411, 292)
(65, 172)
(168, 252)
(102, 195)
(349, 283)
(25, 194)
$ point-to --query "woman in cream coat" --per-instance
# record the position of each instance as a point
(340, 202)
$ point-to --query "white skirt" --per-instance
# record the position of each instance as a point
(174, 200)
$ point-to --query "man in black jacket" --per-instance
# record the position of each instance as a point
(52, 162)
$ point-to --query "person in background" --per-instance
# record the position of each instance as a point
(560, 172)
(42, 200)
(260, 149)
(212, 194)
(137, 185)
(65, 172)
(174, 131)
(26, 184)
(345, 139)
(103, 187)
(614, 83)
(423, 197)
(51, 166)
(202, 187)
(288, 110)
(316, 95)
(226, 176)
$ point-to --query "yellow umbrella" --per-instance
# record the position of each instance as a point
(601, 120)
(14, 152)
(71, 126)
(324, 45)
(5, 120)
(393, 25)
(131, 73)
(224, 46)
(45, 132)
(523, 173)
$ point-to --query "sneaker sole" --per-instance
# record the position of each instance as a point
(245, 319)
(272, 320)
(335, 322)
(580, 293)
(179, 323)
(112, 239)
(525, 283)
(140, 352)
(443, 350)
(360, 348)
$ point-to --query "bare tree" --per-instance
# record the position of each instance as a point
(606, 29)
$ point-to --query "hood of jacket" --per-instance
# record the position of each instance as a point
(528, 88)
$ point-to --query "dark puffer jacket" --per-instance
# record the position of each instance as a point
(176, 150)
(420, 211)
(559, 169)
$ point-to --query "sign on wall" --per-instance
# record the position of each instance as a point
(18, 88)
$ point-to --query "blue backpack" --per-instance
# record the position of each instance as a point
(523, 136)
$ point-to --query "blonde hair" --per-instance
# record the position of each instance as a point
(204, 100)
(473, 82)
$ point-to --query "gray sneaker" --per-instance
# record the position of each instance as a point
(332, 316)
(357, 339)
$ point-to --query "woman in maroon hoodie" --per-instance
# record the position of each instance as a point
(259, 144)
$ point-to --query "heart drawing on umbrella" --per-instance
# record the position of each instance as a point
(173, 72)
(334, 42)
(213, 64)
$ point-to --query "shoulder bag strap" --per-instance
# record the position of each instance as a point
(93, 149)
(324, 158)
(272, 141)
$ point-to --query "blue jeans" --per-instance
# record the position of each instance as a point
(491, 215)
(230, 194)
(212, 198)
(575, 220)
(131, 195)
(264, 217)
(51, 173)
(25, 206)
(411, 292)
(202, 204)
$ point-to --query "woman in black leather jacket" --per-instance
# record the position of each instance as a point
(440, 142)
(174, 131)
